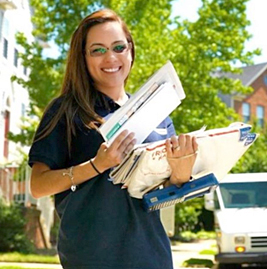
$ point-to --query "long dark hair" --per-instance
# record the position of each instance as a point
(78, 91)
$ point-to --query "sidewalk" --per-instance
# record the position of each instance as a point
(180, 253)
(186, 251)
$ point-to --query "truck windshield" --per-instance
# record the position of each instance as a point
(243, 195)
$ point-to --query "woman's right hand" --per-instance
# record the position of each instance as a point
(111, 155)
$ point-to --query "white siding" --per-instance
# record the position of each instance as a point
(12, 96)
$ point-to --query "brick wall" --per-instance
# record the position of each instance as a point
(257, 98)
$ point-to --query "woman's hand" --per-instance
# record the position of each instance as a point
(111, 155)
(181, 156)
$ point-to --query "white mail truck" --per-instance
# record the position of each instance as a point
(239, 204)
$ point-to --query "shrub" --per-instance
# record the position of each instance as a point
(12, 232)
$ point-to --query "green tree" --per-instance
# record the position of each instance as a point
(186, 215)
(199, 50)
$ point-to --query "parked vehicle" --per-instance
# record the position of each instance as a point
(240, 214)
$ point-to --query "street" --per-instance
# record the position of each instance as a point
(186, 251)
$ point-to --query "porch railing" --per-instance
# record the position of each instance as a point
(14, 185)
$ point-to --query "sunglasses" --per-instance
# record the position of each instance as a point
(97, 51)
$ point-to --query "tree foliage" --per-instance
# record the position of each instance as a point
(12, 232)
(186, 215)
(197, 49)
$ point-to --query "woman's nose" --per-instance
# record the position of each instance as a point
(110, 55)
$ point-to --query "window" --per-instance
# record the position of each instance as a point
(6, 27)
(23, 110)
(5, 48)
(216, 201)
(246, 112)
(6, 124)
(260, 115)
(16, 57)
(244, 194)
(1, 19)
(25, 70)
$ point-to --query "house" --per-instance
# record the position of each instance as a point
(253, 106)
(15, 16)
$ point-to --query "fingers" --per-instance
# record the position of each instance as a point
(181, 155)
(122, 145)
(186, 143)
(129, 147)
(175, 143)
(182, 145)
(168, 145)
(111, 155)
(195, 145)
(126, 143)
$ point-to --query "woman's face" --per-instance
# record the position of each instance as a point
(108, 56)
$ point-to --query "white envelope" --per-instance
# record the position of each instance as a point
(218, 151)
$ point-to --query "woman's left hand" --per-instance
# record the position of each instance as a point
(181, 156)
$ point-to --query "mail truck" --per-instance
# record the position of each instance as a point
(239, 204)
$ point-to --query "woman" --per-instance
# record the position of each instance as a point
(101, 225)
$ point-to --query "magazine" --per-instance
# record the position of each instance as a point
(148, 107)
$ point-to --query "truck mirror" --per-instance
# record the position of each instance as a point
(209, 201)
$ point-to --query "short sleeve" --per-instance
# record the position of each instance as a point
(52, 149)
(170, 127)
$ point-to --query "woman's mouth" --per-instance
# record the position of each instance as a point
(111, 70)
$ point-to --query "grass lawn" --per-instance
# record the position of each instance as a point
(16, 267)
(19, 257)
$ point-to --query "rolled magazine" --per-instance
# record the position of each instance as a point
(150, 105)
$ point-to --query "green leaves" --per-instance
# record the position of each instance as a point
(199, 50)
(12, 232)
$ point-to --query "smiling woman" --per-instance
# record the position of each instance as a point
(108, 67)
(101, 226)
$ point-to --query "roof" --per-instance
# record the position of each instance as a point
(244, 177)
(250, 73)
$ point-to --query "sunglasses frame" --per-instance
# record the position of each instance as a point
(128, 46)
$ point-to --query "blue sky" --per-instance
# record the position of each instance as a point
(256, 13)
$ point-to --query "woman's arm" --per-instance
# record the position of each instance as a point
(45, 181)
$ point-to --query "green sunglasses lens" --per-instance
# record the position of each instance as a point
(120, 48)
(98, 51)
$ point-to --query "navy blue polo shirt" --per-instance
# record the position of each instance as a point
(101, 227)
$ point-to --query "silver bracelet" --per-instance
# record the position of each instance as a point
(70, 175)
(183, 157)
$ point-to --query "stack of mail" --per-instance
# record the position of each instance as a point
(218, 151)
(148, 107)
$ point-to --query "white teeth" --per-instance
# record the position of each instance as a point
(110, 70)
